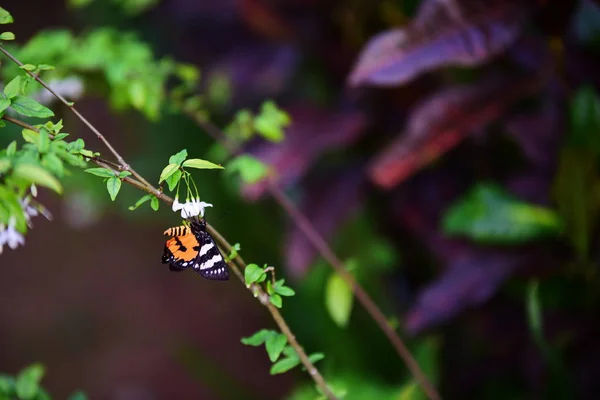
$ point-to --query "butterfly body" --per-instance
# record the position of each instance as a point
(192, 246)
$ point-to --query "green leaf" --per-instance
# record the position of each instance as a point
(137, 94)
(200, 164)
(140, 202)
(270, 289)
(251, 169)
(534, 313)
(275, 345)
(271, 121)
(5, 17)
(313, 358)
(488, 214)
(168, 171)
(7, 36)
(4, 165)
(174, 179)
(30, 108)
(234, 251)
(124, 174)
(43, 143)
(11, 149)
(45, 67)
(13, 88)
(178, 158)
(54, 164)
(4, 104)
(28, 67)
(79, 395)
(276, 300)
(253, 273)
(113, 185)
(7, 384)
(283, 290)
(28, 381)
(30, 136)
(38, 175)
(154, 203)
(339, 300)
(258, 338)
(284, 365)
(60, 136)
(102, 172)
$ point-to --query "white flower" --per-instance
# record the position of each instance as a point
(190, 208)
(9, 235)
(32, 208)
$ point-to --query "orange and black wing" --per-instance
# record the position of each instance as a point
(181, 250)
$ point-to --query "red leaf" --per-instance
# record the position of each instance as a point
(443, 33)
(313, 131)
(442, 121)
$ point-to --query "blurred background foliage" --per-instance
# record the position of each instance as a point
(448, 150)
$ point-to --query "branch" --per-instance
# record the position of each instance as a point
(237, 267)
(315, 238)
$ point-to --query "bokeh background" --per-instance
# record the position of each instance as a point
(451, 164)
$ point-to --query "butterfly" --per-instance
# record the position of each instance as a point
(192, 246)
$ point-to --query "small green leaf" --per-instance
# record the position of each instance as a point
(7, 36)
(30, 136)
(11, 149)
(534, 314)
(79, 395)
(178, 158)
(38, 175)
(30, 108)
(5, 17)
(284, 365)
(250, 168)
(168, 171)
(140, 202)
(271, 121)
(276, 300)
(4, 104)
(174, 179)
(154, 203)
(124, 174)
(253, 273)
(270, 289)
(54, 164)
(43, 143)
(60, 136)
(4, 165)
(137, 94)
(28, 67)
(338, 300)
(275, 345)
(313, 358)
(28, 381)
(113, 185)
(283, 290)
(13, 88)
(234, 251)
(45, 67)
(200, 164)
(258, 338)
(102, 172)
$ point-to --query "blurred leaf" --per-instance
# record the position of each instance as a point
(102, 172)
(315, 357)
(30, 108)
(4, 104)
(5, 17)
(534, 313)
(253, 273)
(11, 149)
(587, 23)
(113, 185)
(154, 203)
(30, 136)
(7, 36)
(78, 396)
(339, 300)
(200, 164)
(174, 179)
(38, 175)
(276, 300)
(28, 380)
(250, 168)
(488, 214)
(258, 338)
(269, 123)
(28, 67)
(274, 345)
(43, 142)
(282, 290)
(168, 171)
(7, 384)
(54, 164)
(13, 88)
(141, 201)
(284, 365)
(443, 33)
(585, 120)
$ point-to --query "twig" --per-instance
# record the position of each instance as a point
(328, 254)
(237, 267)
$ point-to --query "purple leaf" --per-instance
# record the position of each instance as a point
(442, 121)
(443, 33)
(313, 131)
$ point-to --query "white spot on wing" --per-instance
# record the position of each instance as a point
(211, 263)
(206, 248)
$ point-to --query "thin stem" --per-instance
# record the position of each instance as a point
(328, 254)
(237, 266)
(120, 159)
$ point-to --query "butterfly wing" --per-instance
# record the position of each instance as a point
(209, 263)
(181, 252)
